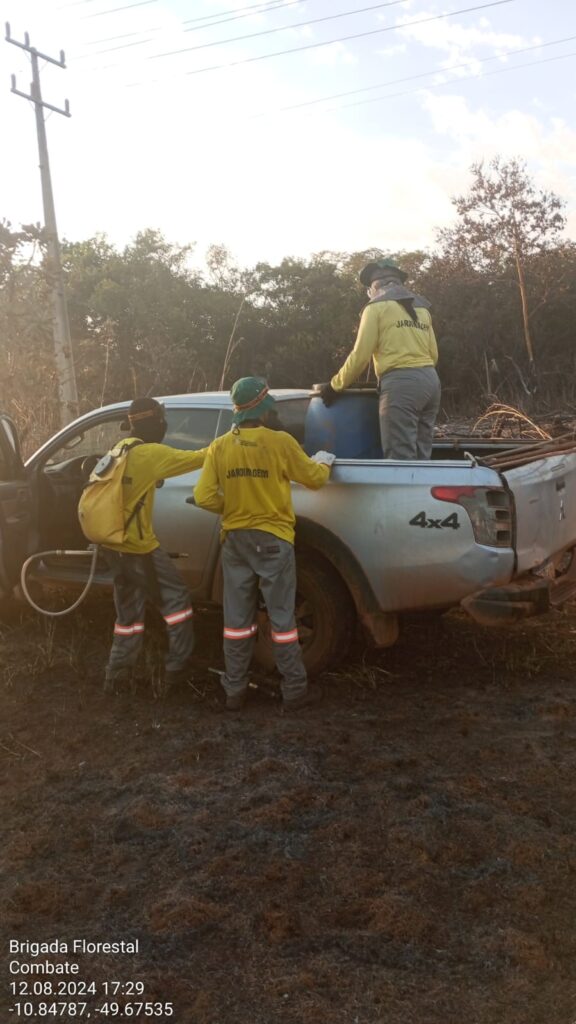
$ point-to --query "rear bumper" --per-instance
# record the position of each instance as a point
(528, 596)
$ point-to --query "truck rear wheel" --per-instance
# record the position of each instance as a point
(325, 618)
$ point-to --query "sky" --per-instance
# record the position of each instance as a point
(189, 116)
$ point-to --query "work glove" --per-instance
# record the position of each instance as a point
(328, 395)
(324, 458)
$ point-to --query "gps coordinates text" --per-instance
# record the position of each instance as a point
(41, 984)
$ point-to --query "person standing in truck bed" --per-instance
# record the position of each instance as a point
(396, 333)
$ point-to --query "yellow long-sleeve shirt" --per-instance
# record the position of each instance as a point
(246, 479)
(145, 465)
(393, 342)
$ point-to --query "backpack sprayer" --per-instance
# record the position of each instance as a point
(101, 514)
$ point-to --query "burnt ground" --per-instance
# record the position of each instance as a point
(403, 852)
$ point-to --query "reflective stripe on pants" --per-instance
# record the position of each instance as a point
(137, 627)
(240, 634)
(254, 560)
(138, 579)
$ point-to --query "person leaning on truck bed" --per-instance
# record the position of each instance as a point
(396, 332)
(141, 570)
(246, 479)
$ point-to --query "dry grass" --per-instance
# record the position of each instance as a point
(404, 852)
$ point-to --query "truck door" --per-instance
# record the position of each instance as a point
(189, 534)
(16, 516)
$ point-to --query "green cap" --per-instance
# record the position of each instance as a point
(251, 398)
(373, 271)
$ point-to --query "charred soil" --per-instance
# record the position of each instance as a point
(403, 852)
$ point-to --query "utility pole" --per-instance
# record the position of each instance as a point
(67, 394)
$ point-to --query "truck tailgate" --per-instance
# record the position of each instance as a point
(545, 508)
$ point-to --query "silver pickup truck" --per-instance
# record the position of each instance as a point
(382, 538)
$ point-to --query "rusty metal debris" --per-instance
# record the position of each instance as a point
(565, 444)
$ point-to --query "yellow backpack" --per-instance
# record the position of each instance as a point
(101, 506)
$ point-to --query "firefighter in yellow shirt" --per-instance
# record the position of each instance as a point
(246, 479)
(141, 570)
(396, 333)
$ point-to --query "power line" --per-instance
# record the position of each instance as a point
(250, 12)
(442, 85)
(115, 10)
(342, 39)
(281, 28)
(112, 49)
(412, 78)
(248, 60)
(195, 28)
(208, 18)
(79, 3)
(112, 39)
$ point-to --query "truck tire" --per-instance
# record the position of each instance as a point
(325, 617)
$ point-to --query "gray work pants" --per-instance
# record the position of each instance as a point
(253, 560)
(153, 578)
(409, 404)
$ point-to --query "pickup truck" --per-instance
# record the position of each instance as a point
(382, 538)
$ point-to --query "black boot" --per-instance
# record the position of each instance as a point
(311, 695)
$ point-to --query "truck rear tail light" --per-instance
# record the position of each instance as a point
(489, 509)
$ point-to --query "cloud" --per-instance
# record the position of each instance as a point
(514, 131)
(180, 151)
(331, 55)
(461, 42)
(548, 145)
(392, 51)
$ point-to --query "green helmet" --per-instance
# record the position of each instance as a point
(373, 271)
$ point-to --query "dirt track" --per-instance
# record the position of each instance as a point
(405, 852)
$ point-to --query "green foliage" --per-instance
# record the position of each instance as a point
(143, 321)
(502, 216)
(504, 224)
(28, 388)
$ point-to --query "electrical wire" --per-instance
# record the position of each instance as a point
(412, 78)
(78, 3)
(281, 28)
(195, 28)
(456, 81)
(115, 10)
(113, 39)
(342, 39)
(237, 15)
(329, 42)
(207, 18)
(112, 49)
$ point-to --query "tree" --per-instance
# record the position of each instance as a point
(28, 382)
(505, 223)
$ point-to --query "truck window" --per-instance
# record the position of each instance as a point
(225, 422)
(95, 439)
(291, 416)
(191, 429)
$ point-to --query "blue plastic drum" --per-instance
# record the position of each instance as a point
(350, 427)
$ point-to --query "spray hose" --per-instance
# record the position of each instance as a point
(78, 601)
